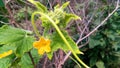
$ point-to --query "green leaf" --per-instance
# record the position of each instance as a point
(65, 5)
(93, 43)
(26, 62)
(111, 36)
(24, 45)
(93, 61)
(45, 22)
(17, 37)
(67, 18)
(39, 6)
(35, 55)
(58, 43)
(59, 16)
(6, 48)
(9, 35)
(5, 62)
(1, 3)
(15, 63)
(57, 6)
(100, 64)
(58, 39)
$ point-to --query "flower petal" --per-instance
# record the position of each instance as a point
(5, 54)
(47, 49)
(41, 51)
(36, 44)
(42, 39)
(43, 45)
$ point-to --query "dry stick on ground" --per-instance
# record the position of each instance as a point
(68, 54)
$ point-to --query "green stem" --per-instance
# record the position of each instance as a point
(33, 24)
(30, 55)
(75, 61)
(64, 39)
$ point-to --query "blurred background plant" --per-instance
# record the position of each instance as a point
(3, 13)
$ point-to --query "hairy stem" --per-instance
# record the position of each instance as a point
(64, 39)
(33, 24)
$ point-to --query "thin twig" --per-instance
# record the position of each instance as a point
(85, 27)
(101, 22)
(83, 44)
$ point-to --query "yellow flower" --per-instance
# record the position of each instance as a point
(43, 45)
(5, 54)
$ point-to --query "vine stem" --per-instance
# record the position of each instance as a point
(30, 55)
(34, 26)
(64, 39)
